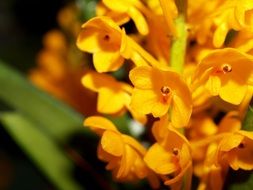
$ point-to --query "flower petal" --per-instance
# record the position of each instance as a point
(220, 35)
(111, 101)
(105, 61)
(95, 81)
(159, 160)
(213, 85)
(87, 40)
(141, 77)
(234, 90)
(230, 142)
(143, 101)
(112, 143)
(181, 111)
(99, 124)
(139, 20)
(127, 162)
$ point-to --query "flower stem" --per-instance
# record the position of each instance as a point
(179, 42)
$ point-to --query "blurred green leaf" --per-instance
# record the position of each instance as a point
(41, 149)
(58, 119)
(87, 8)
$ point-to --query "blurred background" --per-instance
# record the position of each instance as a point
(22, 26)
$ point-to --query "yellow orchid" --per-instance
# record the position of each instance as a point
(227, 73)
(123, 153)
(155, 91)
(218, 18)
(205, 137)
(110, 45)
(133, 8)
(102, 37)
(174, 154)
(113, 96)
(195, 113)
(212, 177)
(236, 149)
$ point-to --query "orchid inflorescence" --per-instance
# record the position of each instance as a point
(181, 101)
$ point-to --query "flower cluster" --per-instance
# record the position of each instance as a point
(179, 101)
(60, 64)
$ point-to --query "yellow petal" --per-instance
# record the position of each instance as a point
(117, 6)
(174, 139)
(181, 111)
(94, 81)
(87, 40)
(125, 48)
(105, 61)
(248, 134)
(185, 156)
(230, 142)
(127, 162)
(230, 123)
(234, 90)
(112, 143)
(160, 109)
(143, 101)
(159, 160)
(213, 85)
(142, 77)
(139, 20)
(106, 157)
(220, 35)
(99, 124)
(142, 118)
(112, 101)
(134, 144)
(141, 169)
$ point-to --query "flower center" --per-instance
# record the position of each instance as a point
(241, 145)
(175, 151)
(165, 90)
(226, 68)
(223, 69)
(106, 37)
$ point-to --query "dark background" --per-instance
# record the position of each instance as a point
(22, 25)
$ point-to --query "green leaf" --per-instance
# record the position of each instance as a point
(41, 149)
(58, 119)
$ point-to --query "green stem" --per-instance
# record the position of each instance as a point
(179, 42)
